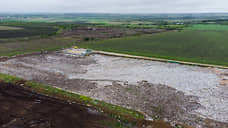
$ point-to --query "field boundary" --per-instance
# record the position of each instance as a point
(158, 59)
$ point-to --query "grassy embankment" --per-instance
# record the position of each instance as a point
(209, 47)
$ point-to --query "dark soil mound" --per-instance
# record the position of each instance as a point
(20, 108)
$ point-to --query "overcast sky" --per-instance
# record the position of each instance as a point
(114, 6)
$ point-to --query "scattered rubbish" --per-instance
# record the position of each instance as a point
(37, 101)
(78, 52)
(222, 75)
(174, 62)
(176, 93)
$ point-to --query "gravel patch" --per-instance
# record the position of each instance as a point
(192, 80)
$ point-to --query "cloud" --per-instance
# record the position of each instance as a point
(114, 6)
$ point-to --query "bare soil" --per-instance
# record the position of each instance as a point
(21, 108)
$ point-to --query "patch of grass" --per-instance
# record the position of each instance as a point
(8, 78)
(209, 47)
(9, 28)
(213, 27)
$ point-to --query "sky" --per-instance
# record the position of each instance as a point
(113, 6)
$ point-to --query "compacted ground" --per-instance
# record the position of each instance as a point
(21, 108)
(171, 92)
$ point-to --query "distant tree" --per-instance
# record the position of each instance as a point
(86, 39)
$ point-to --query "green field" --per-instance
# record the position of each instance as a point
(22, 29)
(209, 47)
(9, 28)
(15, 47)
(215, 27)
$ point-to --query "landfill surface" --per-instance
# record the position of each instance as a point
(171, 92)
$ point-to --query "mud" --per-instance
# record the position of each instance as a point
(20, 108)
(170, 92)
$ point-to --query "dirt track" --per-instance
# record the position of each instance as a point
(20, 108)
(159, 91)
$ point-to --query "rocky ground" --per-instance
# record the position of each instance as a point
(170, 92)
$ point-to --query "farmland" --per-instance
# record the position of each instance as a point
(210, 27)
(9, 28)
(63, 38)
(17, 29)
(196, 46)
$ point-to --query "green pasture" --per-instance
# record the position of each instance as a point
(215, 27)
(209, 47)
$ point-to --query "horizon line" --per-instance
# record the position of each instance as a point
(112, 13)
